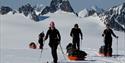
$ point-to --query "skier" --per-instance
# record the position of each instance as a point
(75, 32)
(54, 40)
(41, 36)
(108, 39)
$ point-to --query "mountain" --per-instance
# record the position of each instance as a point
(89, 12)
(77, 5)
(97, 9)
(56, 5)
(33, 12)
(39, 8)
(26, 9)
(83, 13)
(115, 16)
(5, 10)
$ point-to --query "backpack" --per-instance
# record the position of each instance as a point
(41, 34)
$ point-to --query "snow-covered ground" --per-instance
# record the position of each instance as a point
(18, 31)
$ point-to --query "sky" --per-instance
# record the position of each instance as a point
(77, 5)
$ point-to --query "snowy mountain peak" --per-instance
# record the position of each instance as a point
(56, 5)
(115, 17)
(39, 8)
(5, 10)
(83, 13)
(94, 10)
(97, 9)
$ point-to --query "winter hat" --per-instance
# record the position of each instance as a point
(52, 24)
(108, 25)
(76, 25)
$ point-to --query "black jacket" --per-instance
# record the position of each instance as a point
(54, 36)
(75, 33)
(41, 35)
(107, 33)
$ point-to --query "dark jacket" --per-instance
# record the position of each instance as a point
(75, 33)
(41, 35)
(107, 34)
(54, 36)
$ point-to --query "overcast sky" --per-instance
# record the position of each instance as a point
(76, 4)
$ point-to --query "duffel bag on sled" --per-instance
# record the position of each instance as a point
(74, 54)
(103, 51)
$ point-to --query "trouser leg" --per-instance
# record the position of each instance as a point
(106, 47)
(74, 43)
(110, 43)
(54, 53)
(41, 46)
(105, 50)
(78, 45)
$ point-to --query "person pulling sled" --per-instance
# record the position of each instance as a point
(75, 34)
(106, 50)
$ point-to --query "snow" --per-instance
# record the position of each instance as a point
(17, 31)
(83, 13)
(118, 10)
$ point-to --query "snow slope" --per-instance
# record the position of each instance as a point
(18, 31)
(83, 13)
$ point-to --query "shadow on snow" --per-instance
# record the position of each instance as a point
(41, 18)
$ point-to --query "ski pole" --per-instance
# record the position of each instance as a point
(117, 47)
(62, 51)
(80, 44)
(41, 51)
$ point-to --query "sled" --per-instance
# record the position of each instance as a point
(74, 54)
(32, 45)
(72, 58)
(102, 51)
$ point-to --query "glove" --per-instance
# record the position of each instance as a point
(116, 36)
(103, 35)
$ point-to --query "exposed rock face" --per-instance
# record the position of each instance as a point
(26, 9)
(115, 16)
(5, 10)
(66, 6)
(57, 4)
